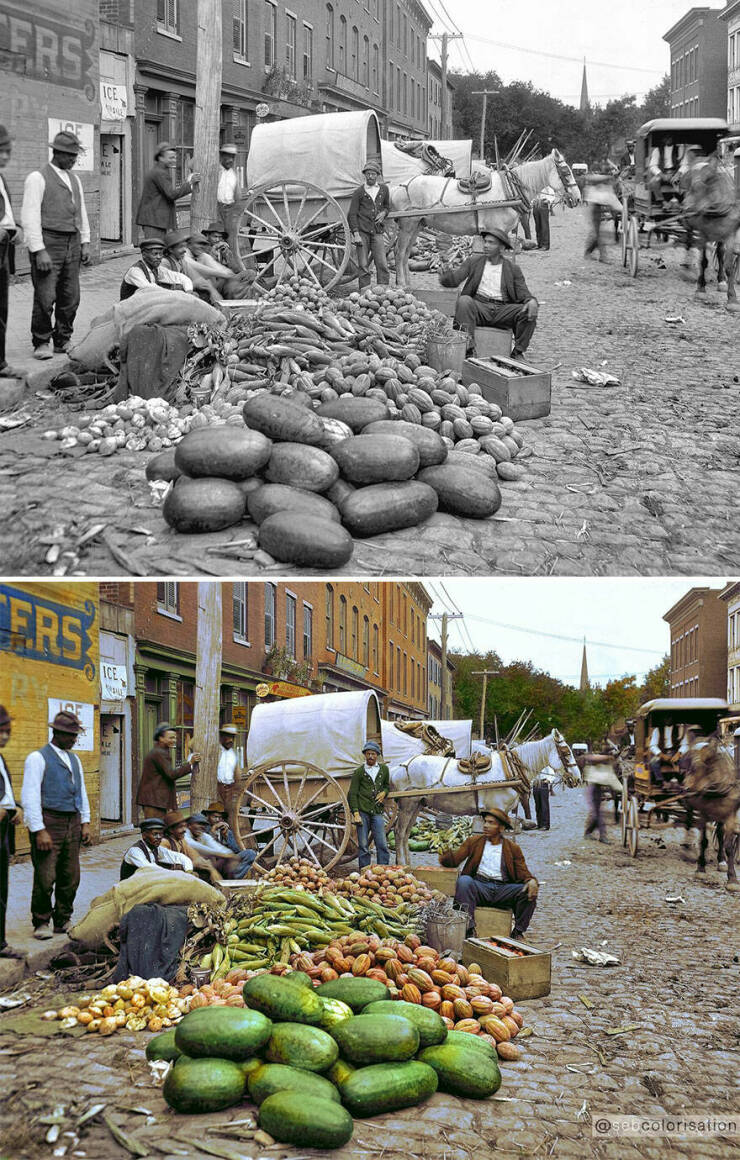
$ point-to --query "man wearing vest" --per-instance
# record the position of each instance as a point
(149, 273)
(57, 813)
(57, 234)
(8, 820)
(148, 851)
(8, 234)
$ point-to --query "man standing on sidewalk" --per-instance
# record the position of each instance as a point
(57, 813)
(7, 255)
(228, 766)
(57, 234)
(227, 193)
(8, 821)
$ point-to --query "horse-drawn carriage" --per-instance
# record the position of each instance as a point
(665, 729)
(302, 172)
(653, 190)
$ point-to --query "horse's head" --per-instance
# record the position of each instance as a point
(566, 760)
(565, 179)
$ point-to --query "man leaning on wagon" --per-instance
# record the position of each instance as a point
(368, 210)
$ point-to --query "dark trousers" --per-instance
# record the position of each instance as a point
(57, 870)
(541, 795)
(5, 825)
(594, 240)
(541, 214)
(57, 292)
(154, 232)
(471, 892)
(472, 312)
(595, 820)
(4, 300)
(372, 249)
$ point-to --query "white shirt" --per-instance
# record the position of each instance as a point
(33, 193)
(136, 857)
(227, 766)
(135, 276)
(490, 863)
(207, 845)
(7, 801)
(372, 191)
(228, 184)
(490, 283)
(33, 775)
(372, 771)
(7, 221)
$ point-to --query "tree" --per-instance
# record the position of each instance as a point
(657, 102)
(657, 682)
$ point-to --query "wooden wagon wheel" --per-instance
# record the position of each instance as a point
(625, 808)
(287, 795)
(633, 246)
(633, 827)
(625, 227)
(303, 228)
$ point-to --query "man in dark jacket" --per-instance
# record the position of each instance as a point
(494, 293)
(367, 213)
(156, 212)
(367, 792)
(495, 873)
(156, 794)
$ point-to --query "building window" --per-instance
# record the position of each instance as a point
(366, 642)
(291, 35)
(270, 33)
(366, 62)
(240, 29)
(376, 9)
(307, 52)
(329, 617)
(405, 673)
(390, 664)
(355, 629)
(269, 615)
(355, 61)
(307, 632)
(330, 35)
(376, 67)
(168, 597)
(342, 60)
(240, 611)
(398, 668)
(290, 611)
(413, 682)
(343, 624)
(398, 26)
(405, 36)
(168, 15)
(375, 648)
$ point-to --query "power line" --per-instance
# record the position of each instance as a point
(561, 636)
(560, 56)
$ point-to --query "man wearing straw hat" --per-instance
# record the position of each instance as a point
(227, 191)
(368, 210)
(57, 813)
(9, 819)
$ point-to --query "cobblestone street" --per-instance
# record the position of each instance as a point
(657, 1034)
(641, 478)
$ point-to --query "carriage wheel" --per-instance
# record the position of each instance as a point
(633, 246)
(287, 796)
(633, 827)
(625, 227)
(625, 808)
(304, 230)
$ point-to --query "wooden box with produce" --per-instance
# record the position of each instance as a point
(437, 878)
(443, 300)
(520, 970)
(520, 390)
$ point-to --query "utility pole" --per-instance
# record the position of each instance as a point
(445, 38)
(485, 673)
(207, 694)
(445, 617)
(208, 70)
(485, 93)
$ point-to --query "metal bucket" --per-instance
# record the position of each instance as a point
(447, 934)
(447, 354)
(199, 976)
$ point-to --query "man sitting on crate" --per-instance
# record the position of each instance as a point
(495, 293)
(495, 873)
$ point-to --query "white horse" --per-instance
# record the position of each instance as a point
(430, 775)
(430, 195)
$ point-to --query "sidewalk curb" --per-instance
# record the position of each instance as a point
(13, 971)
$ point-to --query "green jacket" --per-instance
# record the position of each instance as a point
(363, 793)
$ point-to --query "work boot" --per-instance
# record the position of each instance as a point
(43, 931)
(62, 927)
(43, 351)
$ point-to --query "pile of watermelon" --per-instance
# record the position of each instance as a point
(314, 1059)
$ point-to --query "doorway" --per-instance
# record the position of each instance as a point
(111, 188)
(111, 768)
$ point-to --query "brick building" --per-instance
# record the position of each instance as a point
(731, 598)
(349, 650)
(50, 71)
(50, 660)
(698, 49)
(434, 101)
(434, 682)
(698, 627)
(405, 30)
(730, 15)
(405, 611)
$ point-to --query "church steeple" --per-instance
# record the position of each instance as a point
(585, 104)
(585, 684)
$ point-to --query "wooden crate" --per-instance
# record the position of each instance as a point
(442, 300)
(438, 879)
(489, 340)
(522, 397)
(519, 978)
(491, 921)
(241, 886)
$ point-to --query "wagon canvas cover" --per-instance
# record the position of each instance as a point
(328, 150)
(399, 166)
(327, 729)
(399, 747)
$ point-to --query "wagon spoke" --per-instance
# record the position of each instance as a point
(323, 825)
(300, 787)
(313, 216)
(274, 792)
(274, 212)
(289, 220)
(267, 265)
(309, 850)
(255, 217)
(318, 258)
(316, 838)
(309, 268)
(300, 208)
(266, 847)
(313, 796)
(321, 245)
(267, 805)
